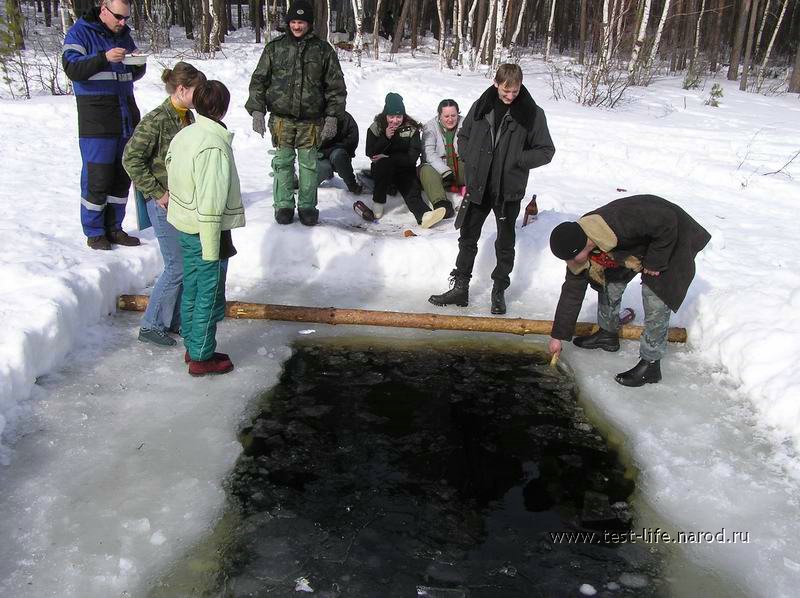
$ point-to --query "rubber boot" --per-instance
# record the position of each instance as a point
(457, 295)
(644, 372)
(602, 339)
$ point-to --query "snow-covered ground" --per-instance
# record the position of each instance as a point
(113, 457)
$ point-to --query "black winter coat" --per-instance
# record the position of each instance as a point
(403, 148)
(663, 236)
(346, 137)
(502, 165)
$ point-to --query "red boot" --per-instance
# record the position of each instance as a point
(187, 359)
(213, 366)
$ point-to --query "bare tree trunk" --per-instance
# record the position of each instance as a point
(736, 50)
(697, 35)
(513, 45)
(716, 37)
(637, 46)
(499, 35)
(358, 42)
(442, 32)
(486, 30)
(761, 28)
(397, 39)
(659, 32)
(550, 30)
(416, 18)
(582, 47)
(605, 50)
(469, 45)
(48, 15)
(763, 68)
(749, 49)
(794, 82)
(321, 18)
(376, 26)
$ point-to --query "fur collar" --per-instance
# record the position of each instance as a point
(522, 109)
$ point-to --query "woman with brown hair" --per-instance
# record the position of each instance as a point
(144, 160)
(393, 145)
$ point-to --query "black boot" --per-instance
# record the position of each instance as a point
(498, 300)
(308, 216)
(602, 339)
(457, 295)
(644, 372)
(284, 215)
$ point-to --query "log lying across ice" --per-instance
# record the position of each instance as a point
(398, 319)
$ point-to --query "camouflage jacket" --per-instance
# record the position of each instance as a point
(298, 79)
(143, 158)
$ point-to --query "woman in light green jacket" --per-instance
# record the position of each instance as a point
(205, 203)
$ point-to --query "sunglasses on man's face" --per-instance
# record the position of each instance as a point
(119, 18)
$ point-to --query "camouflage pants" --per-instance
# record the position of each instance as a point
(288, 136)
(653, 343)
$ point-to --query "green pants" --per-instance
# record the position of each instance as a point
(432, 184)
(203, 299)
(289, 136)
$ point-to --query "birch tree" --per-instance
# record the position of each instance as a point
(550, 30)
(376, 26)
(358, 43)
(499, 36)
(513, 46)
(486, 30)
(697, 35)
(761, 28)
(768, 51)
(642, 32)
(659, 32)
(442, 32)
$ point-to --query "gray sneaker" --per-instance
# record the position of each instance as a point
(155, 336)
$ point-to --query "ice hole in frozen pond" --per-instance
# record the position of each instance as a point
(411, 469)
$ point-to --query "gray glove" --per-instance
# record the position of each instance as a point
(259, 126)
(328, 129)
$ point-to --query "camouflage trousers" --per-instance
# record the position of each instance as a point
(653, 342)
(290, 136)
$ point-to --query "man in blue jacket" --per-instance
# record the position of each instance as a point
(93, 54)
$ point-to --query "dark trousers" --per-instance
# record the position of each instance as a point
(338, 161)
(385, 171)
(505, 215)
(104, 184)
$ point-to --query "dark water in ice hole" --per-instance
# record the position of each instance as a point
(424, 471)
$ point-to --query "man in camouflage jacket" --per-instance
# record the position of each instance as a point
(299, 81)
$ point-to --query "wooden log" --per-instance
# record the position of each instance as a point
(398, 319)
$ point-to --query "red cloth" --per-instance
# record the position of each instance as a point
(603, 259)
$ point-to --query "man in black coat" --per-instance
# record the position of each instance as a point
(336, 155)
(607, 248)
(503, 137)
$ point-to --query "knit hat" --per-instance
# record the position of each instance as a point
(301, 10)
(567, 240)
(394, 104)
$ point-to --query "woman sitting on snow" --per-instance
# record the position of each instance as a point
(393, 145)
(143, 159)
(442, 166)
(205, 204)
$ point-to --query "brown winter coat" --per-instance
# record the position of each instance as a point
(639, 231)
